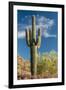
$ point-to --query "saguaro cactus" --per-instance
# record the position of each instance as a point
(33, 41)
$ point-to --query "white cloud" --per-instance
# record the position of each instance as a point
(45, 24)
(21, 34)
(51, 23)
(42, 22)
(29, 26)
(47, 35)
(45, 21)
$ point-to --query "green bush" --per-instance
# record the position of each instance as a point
(47, 64)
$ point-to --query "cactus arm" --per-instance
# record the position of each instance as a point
(27, 38)
(33, 29)
(39, 38)
(30, 35)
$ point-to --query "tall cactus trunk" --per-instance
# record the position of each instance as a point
(33, 28)
(33, 43)
(33, 52)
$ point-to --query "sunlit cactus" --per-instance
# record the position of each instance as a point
(33, 41)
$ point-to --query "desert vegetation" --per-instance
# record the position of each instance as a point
(46, 66)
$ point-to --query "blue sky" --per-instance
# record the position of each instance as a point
(45, 20)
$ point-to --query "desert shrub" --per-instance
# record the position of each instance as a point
(47, 65)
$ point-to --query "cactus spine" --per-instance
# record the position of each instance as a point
(33, 43)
